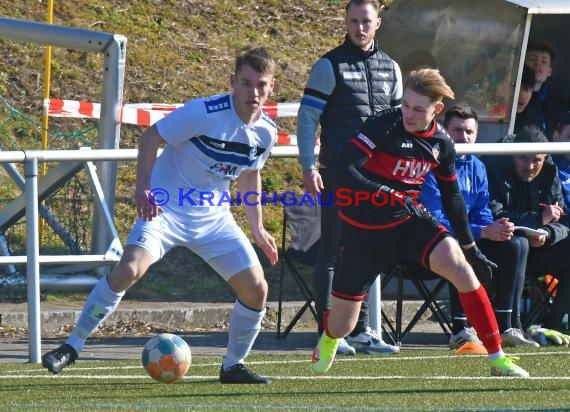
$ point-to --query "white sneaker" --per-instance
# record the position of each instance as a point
(369, 342)
(515, 337)
(461, 338)
(344, 348)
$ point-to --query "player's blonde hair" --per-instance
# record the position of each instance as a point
(375, 4)
(257, 57)
(430, 83)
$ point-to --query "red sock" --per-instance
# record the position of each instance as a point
(480, 313)
(326, 324)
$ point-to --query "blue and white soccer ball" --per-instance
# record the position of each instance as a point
(166, 357)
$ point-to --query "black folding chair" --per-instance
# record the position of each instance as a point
(304, 224)
(427, 292)
(540, 292)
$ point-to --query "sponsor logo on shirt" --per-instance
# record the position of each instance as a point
(253, 153)
(435, 151)
(366, 140)
(218, 104)
(224, 169)
(352, 76)
(411, 170)
(219, 145)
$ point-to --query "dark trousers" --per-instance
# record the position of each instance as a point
(554, 259)
(507, 285)
(328, 249)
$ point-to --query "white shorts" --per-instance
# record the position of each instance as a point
(221, 243)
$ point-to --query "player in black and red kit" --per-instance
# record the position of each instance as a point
(389, 159)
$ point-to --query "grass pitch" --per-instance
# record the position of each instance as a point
(413, 380)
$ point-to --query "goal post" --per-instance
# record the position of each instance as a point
(114, 48)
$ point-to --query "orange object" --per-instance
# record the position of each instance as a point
(551, 284)
(471, 348)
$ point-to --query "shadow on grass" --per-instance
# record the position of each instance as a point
(183, 276)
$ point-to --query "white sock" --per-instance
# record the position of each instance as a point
(496, 355)
(245, 325)
(101, 302)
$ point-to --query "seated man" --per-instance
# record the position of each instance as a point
(383, 225)
(496, 238)
(525, 188)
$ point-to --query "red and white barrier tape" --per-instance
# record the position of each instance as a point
(146, 114)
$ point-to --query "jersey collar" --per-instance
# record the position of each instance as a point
(426, 133)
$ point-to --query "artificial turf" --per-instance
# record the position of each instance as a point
(412, 380)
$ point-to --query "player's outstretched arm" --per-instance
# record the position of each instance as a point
(250, 187)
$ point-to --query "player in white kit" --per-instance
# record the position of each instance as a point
(182, 199)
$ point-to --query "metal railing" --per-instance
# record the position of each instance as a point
(30, 159)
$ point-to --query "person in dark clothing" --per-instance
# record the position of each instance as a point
(388, 160)
(346, 85)
(562, 160)
(496, 238)
(545, 106)
(526, 117)
(525, 188)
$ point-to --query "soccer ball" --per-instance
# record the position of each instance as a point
(166, 357)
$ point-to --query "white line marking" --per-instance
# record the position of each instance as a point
(363, 358)
(381, 358)
(288, 377)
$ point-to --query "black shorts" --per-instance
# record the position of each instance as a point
(363, 254)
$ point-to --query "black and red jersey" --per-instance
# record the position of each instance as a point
(384, 153)
(400, 159)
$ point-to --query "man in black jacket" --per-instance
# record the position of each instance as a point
(526, 189)
(346, 86)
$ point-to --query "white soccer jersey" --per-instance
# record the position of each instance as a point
(208, 145)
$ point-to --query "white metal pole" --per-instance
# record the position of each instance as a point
(526, 32)
(33, 264)
(25, 31)
(109, 134)
(375, 306)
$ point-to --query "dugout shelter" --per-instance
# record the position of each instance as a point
(479, 47)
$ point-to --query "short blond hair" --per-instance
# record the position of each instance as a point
(375, 4)
(257, 57)
(430, 83)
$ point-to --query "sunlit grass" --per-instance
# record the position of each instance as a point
(429, 380)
